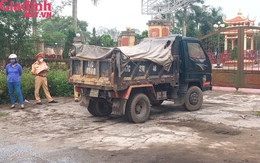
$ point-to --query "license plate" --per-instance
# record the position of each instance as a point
(94, 92)
(161, 95)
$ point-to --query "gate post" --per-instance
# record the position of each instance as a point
(240, 58)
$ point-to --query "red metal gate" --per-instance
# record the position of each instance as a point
(241, 73)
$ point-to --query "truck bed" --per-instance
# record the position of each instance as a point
(104, 74)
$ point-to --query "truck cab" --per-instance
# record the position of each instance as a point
(195, 66)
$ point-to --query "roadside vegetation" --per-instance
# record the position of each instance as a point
(57, 83)
(3, 114)
(257, 113)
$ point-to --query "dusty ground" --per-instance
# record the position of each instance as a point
(225, 129)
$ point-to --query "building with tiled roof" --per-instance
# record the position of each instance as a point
(239, 20)
(232, 35)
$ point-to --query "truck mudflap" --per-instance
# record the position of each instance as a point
(96, 106)
(118, 106)
(84, 101)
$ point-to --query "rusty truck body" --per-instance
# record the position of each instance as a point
(128, 80)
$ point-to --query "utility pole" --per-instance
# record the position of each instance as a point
(74, 15)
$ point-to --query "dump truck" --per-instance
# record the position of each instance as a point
(128, 80)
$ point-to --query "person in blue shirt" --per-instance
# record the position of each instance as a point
(13, 72)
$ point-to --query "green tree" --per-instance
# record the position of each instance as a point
(185, 11)
(213, 16)
(56, 9)
(113, 32)
(185, 14)
(107, 41)
(234, 53)
(69, 41)
(139, 37)
(56, 30)
(95, 40)
(191, 29)
(15, 34)
(210, 16)
(199, 19)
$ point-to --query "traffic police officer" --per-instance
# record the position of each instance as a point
(39, 69)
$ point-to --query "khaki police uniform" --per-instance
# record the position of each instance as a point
(39, 69)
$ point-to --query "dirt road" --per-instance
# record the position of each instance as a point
(225, 129)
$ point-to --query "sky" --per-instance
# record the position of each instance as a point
(122, 13)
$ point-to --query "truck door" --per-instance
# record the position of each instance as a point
(197, 64)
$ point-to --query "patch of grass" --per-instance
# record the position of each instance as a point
(3, 114)
(257, 113)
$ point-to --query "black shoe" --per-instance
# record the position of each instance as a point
(53, 101)
(77, 100)
(39, 103)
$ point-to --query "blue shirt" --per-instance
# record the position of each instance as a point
(13, 73)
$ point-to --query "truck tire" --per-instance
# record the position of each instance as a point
(194, 99)
(156, 102)
(99, 109)
(138, 108)
(92, 108)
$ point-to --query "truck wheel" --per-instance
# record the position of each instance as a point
(194, 99)
(99, 108)
(156, 102)
(138, 108)
(92, 107)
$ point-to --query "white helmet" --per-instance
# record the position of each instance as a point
(12, 56)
